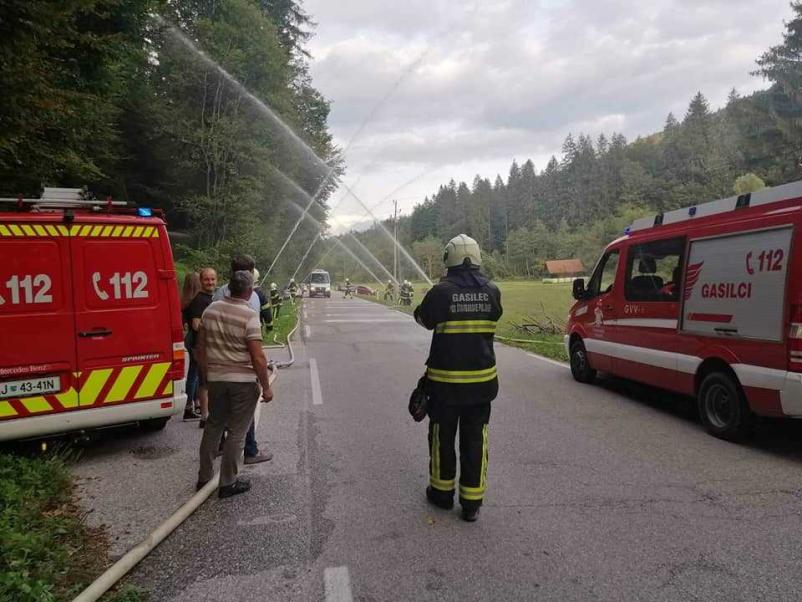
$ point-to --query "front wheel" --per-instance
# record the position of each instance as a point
(723, 408)
(580, 364)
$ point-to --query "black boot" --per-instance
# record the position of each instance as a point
(470, 513)
(441, 499)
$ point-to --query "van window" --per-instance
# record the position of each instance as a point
(654, 270)
(319, 278)
(604, 277)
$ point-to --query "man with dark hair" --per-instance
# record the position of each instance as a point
(246, 263)
(230, 354)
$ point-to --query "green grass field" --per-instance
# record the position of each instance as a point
(523, 299)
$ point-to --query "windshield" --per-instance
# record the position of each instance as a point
(319, 278)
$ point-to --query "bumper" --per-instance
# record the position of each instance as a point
(93, 418)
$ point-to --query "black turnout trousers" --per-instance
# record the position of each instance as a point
(471, 422)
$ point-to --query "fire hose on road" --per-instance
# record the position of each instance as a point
(120, 568)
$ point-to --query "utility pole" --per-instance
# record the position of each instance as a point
(395, 246)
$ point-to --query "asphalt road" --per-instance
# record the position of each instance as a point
(609, 492)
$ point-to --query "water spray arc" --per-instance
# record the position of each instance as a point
(336, 240)
(293, 137)
(391, 237)
(379, 263)
(300, 263)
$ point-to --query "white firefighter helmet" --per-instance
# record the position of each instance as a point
(255, 277)
(273, 286)
(460, 248)
(292, 280)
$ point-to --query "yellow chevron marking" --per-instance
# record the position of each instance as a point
(152, 380)
(156, 235)
(107, 231)
(16, 230)
(28, 230)
(93, 386)
(36, 404)
(117, 231)
(168, 388)
(138, 231)
(148, 232)
(63, 230)
(85, 230)
(69, 399)
(6, 409)
(4, 231)
(74, 230)
(40, 230)
(96, 231)
(128, 230)
(123, 384)
(52, 230)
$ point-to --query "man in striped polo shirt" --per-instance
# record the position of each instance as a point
(229, 352)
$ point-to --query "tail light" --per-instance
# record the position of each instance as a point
(795, 340)
(178, 366)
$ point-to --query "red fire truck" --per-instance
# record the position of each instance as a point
(89, 317)
(704, 301)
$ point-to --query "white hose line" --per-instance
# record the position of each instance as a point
(120, 568)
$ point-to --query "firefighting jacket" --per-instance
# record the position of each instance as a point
(462, 309)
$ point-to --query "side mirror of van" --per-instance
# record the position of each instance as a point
(579, 289)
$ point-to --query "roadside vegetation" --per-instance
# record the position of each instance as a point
(283, 325)
(47, 552)
(528, 307)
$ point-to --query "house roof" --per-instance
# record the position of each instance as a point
(565, 266)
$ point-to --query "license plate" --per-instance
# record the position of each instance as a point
(30, 386)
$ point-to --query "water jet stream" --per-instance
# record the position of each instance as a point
(293, 137)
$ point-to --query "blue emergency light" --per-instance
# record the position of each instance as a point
(692, 211)
(144, 212)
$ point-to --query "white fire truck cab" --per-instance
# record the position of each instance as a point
(705, 301)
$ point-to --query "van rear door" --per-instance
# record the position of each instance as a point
(37, 320)
(124, 343)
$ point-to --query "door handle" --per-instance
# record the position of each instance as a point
(100, 332)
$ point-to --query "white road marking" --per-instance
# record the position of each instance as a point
(337, 584)
(317, 396)
(306, 331)
(547, 360)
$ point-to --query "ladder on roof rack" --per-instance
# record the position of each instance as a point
(766, 196)
(57, 198)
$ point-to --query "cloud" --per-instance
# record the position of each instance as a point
(504, 79)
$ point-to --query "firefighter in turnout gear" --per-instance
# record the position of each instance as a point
(405, 293)
(462, 310)
(293, 288)
(348, 292)
(275, 299)
(265, 311)
(389, 292)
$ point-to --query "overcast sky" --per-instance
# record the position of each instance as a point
(423, 91)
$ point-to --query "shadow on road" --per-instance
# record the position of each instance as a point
(778, 436)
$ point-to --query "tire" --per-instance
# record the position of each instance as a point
(580, 363)
(154, 424)
(723, 409)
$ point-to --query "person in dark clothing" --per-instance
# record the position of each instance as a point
(192, 317)
(265, 310)
(461, 380)
(275, 300)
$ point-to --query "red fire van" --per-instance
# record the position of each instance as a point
(704, 301)
(89, 317)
